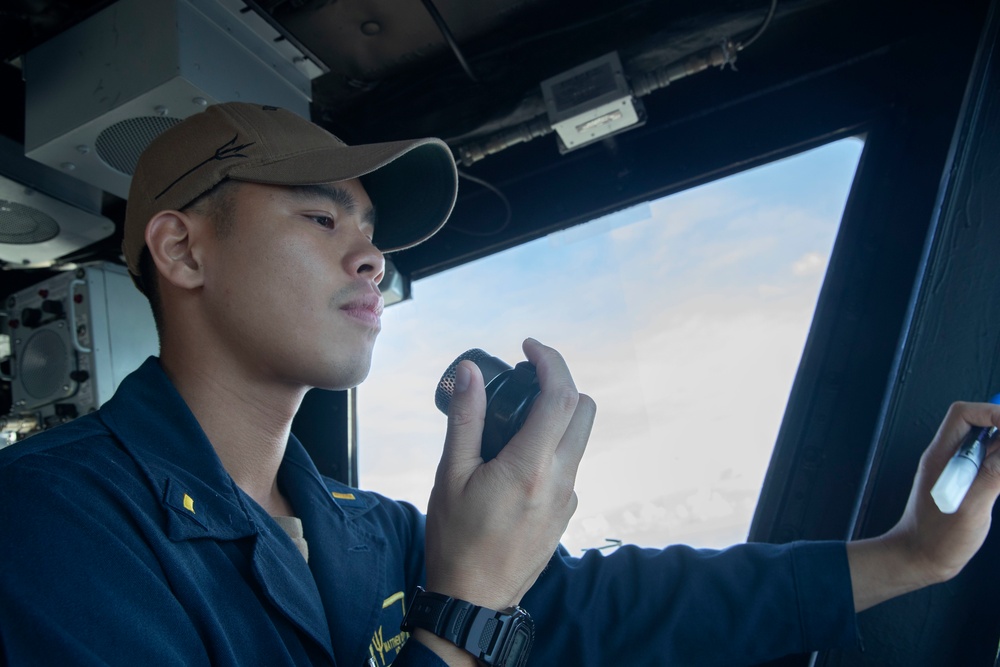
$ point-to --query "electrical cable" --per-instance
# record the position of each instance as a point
(760, 30)
(446, 32)
(503, 198)
(643, 83)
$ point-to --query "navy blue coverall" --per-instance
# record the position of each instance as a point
(125, 542)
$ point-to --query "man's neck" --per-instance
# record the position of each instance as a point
(247, 423)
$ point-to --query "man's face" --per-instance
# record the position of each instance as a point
(292, 290)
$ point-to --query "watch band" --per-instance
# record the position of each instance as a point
(497, 638)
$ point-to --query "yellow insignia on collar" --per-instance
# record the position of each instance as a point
(189, 503)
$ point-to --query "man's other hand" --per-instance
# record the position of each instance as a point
(927, 546)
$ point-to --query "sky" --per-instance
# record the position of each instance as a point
(684, 318)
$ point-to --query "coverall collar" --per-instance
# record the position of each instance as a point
(200, 498)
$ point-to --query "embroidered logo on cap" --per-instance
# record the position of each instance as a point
(224, 152)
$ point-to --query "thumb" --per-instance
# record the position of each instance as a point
(466, 417)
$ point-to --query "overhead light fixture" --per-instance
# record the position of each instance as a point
(44, 215)
(590, 102)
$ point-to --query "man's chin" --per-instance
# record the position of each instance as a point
(343, 378)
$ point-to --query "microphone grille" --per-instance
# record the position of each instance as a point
(446, 387)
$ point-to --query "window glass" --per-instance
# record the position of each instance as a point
(684, 318)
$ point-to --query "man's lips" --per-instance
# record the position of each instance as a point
(366, 308)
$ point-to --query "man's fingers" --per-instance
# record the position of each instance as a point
(961, 418)
(986, 486)
(466, 415)
(574, 441)
(552, 410)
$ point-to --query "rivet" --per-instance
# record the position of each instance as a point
(371, 27)
(68, 166)
(200, 101)
(161, 110)
(83, 149)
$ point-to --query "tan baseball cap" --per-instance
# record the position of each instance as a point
(413, 184)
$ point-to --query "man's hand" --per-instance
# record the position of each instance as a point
(927, 546)
(492, 527)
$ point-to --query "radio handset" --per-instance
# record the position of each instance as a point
(510, 393)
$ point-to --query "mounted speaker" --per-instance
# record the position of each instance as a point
(44, 215)
(98, 93)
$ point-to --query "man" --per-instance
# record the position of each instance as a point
(182, 524)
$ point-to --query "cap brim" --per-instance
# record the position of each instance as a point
(413, 184)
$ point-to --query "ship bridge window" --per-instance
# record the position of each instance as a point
(685, 319)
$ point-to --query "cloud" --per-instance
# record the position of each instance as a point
(810, 264)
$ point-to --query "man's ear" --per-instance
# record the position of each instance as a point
(173, 239)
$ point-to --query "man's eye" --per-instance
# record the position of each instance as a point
(323, 220)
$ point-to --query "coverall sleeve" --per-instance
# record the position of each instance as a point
(682, 606)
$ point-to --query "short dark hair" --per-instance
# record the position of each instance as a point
(216, 204)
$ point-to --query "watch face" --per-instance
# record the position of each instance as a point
(518, 647)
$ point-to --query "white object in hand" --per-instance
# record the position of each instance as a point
(957, 476)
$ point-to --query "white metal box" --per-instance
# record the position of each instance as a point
(73, 338)
(590, 102)
(98, 93)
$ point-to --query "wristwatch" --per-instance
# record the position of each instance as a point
(496, 638)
